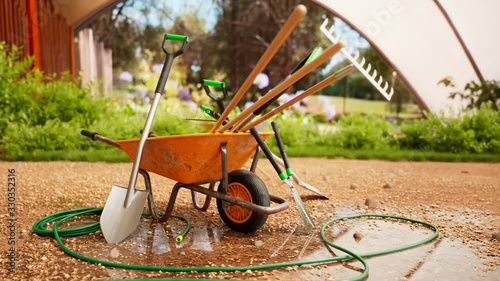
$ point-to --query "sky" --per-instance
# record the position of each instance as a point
(204, 8)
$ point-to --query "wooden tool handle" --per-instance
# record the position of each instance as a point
(280, 38)
(318, 87)
(328, 53)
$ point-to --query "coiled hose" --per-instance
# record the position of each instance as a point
(60, 217)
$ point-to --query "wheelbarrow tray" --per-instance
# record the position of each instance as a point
(193, 158)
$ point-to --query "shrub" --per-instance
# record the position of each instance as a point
(472, 132)
(357, 131)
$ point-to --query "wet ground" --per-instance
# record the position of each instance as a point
(461, 199)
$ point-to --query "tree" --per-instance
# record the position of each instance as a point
(245, 29)
(476, 94)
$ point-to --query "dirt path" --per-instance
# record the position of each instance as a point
(462, 199)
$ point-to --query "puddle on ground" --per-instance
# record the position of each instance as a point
(442, 259)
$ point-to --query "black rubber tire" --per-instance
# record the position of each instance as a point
(254, 189)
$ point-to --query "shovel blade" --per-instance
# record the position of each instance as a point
(118, 222)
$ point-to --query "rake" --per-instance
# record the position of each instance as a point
(359, 65)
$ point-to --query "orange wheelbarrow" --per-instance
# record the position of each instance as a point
(213, 159)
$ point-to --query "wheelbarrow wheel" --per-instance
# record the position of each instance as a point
(247, 186)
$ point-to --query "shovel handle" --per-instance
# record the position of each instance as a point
(170, 58)
(218, 99)
(214, 83)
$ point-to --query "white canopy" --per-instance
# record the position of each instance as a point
(422, 41)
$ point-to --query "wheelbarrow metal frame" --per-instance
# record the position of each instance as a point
(195, 188)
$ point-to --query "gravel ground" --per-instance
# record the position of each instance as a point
(462, 199)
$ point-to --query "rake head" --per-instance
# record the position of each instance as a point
(353, 58)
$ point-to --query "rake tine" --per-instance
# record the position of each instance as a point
(354, 60)
(304, 215)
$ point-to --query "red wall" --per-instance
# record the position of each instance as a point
(41, 30)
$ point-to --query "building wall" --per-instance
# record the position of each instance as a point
(39, 27)
(95, 62)
(14, 23)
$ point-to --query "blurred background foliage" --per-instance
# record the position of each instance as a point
(41, 116)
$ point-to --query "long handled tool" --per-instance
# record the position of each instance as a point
(328, 53)
(304, 215)
(327, 81)
(220, 103)
(280, 38)
(306, 218)
(313, 55)
(124, 206)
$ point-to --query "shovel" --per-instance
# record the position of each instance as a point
(123, 209)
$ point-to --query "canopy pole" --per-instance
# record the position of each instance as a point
(462, 43)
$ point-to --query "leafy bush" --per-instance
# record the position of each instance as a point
(296, 130)
(472, 132)
(357, 131)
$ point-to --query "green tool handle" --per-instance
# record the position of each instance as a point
(169, 59)
(218, 99)
(281, 147)
(214, 83)
(176, 37)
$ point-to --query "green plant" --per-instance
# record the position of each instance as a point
(470, 132)
(357, 131)
(476, 94)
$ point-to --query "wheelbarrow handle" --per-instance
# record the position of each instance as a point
(170, 58)
(90, 135)
(96, 137)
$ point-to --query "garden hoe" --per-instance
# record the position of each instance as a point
(124, 206)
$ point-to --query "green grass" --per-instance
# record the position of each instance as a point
(113, 155)
(392, 155)
(367, 107)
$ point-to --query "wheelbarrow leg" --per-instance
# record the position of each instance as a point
(151, 203)
(255, 160)
(208, 198)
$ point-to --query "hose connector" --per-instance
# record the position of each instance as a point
(179, 239)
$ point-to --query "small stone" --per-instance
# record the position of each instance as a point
(465, 172)
(25, 234)
(354, 186)
(371, 202)
(387, 186)
(114, 253)
(258, 243)
(358, 236)
(496, 236)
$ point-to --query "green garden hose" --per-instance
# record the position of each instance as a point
(59, 218)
